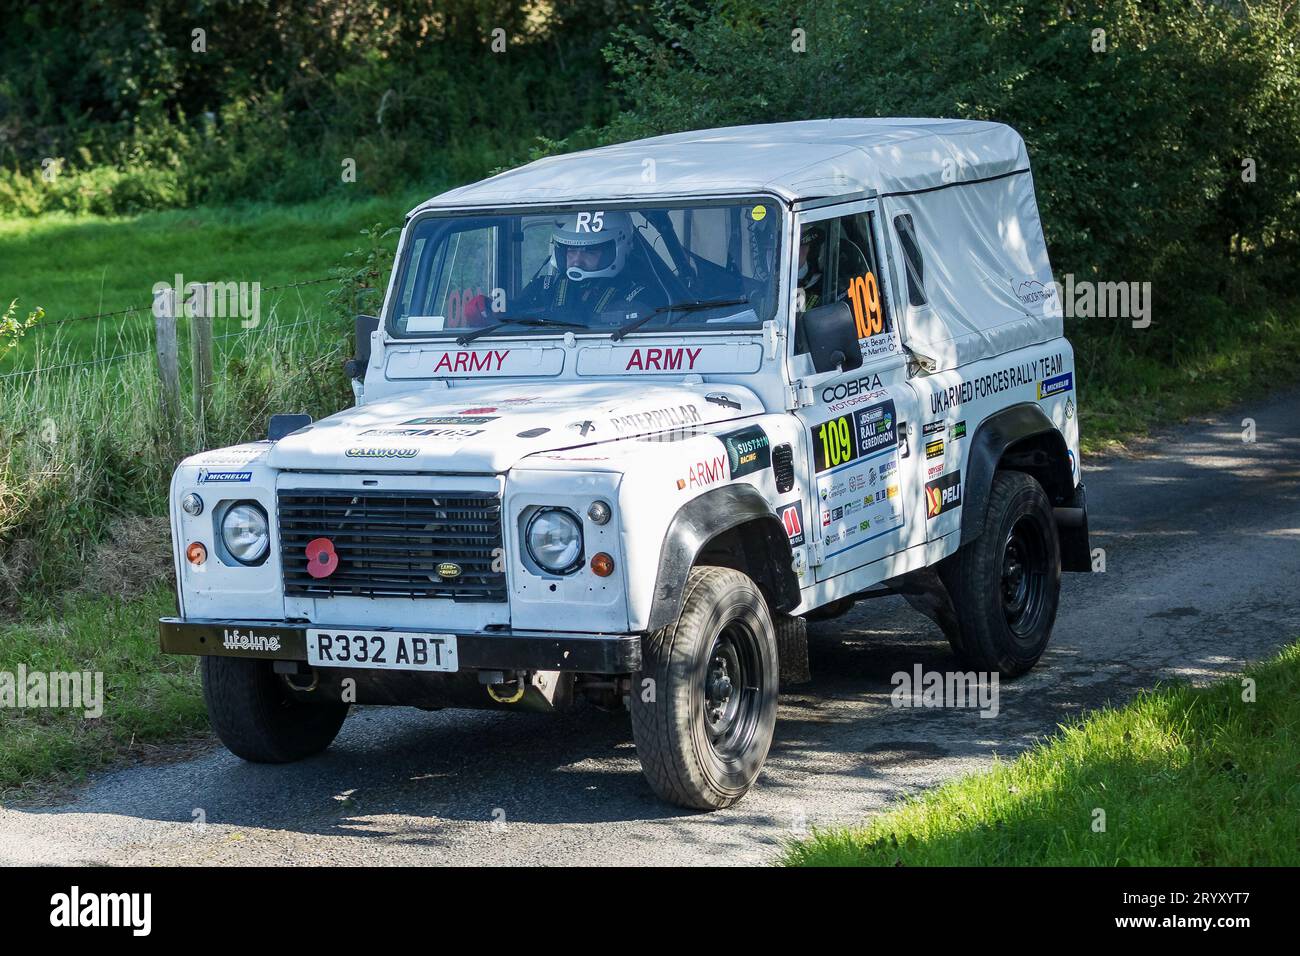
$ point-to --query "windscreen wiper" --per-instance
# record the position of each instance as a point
(539, 320)
(676, 307)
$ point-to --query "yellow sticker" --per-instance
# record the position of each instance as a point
(758, 213)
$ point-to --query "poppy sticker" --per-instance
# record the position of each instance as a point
(322, 559)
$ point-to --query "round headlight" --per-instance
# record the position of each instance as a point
(554, 540)
(192, 505)
(246, 533)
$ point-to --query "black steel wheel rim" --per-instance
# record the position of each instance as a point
(1025, 573)
(731, 701)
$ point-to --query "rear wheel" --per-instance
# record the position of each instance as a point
(250, 709)
(1005, 585)
(704, 702)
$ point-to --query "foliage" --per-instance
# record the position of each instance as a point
(1138, 136)
(12, 328)
(363, 275)
(282, 94)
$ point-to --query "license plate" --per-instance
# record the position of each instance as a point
(383, 650)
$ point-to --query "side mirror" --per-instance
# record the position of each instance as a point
(832, 337)
(356, 366)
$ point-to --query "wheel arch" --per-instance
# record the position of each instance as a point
(1018, 438)
(734, 527)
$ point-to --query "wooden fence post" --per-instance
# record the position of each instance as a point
(169, 373)
(201, 346)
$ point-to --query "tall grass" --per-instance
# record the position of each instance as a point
(84, 449)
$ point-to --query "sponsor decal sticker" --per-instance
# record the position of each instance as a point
(1033, 292)
(838, 393)
(471, 361)
(934, 449)
(322, 559)
(1052, 386)
(233, 639)
(942, 494)
(932, 427)
(704, 473)
(657, 418)
(662, 359)
(854, 435)
(748, 450)
(792, 518)
(957, 431)
(1015, 376)
(207, 476)
(454, 420)
(448, 433)
(382, 452)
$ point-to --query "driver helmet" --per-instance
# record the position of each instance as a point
(607, 233)
(810, 247)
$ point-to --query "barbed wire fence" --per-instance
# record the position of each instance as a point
(147, 311)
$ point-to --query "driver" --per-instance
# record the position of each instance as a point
(811, 245)
(591, 269)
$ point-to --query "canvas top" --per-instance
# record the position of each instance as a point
(801, 160)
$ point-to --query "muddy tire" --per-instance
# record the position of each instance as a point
(1005, 585)
(704, 723)
(791, 649)
(252, 713)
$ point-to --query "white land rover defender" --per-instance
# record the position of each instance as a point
(628, 418)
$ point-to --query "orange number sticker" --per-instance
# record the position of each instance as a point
(864, 298)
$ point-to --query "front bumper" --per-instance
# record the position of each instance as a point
(496, 651)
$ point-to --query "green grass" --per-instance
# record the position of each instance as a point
(1186, 777)
(74, 266)
(148, 697)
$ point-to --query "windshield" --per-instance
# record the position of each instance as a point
(618, 271)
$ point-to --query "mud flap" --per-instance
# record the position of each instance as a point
(791, 649)
(925, 591)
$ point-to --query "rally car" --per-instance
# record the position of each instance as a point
(628, 418)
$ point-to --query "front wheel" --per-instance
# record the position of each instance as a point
(1005, 584)
(704, 701)
(253, 714)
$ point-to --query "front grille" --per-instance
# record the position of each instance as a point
(391, 544)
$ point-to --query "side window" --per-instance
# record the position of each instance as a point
(839, 262)
(915, 268)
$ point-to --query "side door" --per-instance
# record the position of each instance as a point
(861, 467)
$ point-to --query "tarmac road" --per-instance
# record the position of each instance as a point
(1202, 538)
